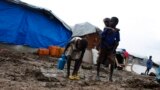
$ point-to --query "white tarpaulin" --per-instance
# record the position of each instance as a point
(95, 56)
(88, 57)
(83, 29)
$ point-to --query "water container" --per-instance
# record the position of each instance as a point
(43, 51)
(55, 51)
(61, 62)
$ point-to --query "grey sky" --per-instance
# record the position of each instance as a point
(139, 20)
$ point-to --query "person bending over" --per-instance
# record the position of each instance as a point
(75, 50)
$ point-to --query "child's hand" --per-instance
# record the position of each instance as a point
(119, 65)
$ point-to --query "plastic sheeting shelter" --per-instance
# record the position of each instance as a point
(84, 29)
(23, 24)
(158, 74)
(91, 33)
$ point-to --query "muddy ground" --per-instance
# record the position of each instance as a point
(21, 71)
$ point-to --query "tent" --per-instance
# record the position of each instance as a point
(158, 74)
(24, 24)
(85, 28)
(88, 31)
(92, 34)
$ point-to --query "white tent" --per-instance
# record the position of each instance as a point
(83, 29)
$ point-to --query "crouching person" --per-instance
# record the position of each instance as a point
(75, 50)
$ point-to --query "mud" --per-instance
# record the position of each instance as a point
(24, 71)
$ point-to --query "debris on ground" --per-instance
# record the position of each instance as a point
(24, 71)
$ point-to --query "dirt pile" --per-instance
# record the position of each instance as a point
(21, 71)
(141, 84)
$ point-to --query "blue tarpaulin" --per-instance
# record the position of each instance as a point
(158, 74)
(22, 25)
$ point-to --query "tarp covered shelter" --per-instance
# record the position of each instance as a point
(91, 33)
(24, 24)
(85, 28)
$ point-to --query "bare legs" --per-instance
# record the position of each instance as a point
(76, 66)
(104, 55)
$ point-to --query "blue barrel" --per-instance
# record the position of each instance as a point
(61, 63)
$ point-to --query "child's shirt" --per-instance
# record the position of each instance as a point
(109, 36)
(72, 50)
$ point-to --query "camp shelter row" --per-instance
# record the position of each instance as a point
(36, 27)
(24, 24)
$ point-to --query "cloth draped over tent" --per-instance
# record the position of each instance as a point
(38, 28)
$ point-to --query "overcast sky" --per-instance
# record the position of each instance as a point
(138, 20)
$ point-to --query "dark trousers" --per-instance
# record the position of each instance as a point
(147, 71)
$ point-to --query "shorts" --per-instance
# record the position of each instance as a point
(106, 55)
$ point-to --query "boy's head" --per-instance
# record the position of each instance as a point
(150, 57)
(82, 44)
(113, 22)
(106, 21)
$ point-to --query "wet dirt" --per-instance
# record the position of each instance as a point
(23, 71)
